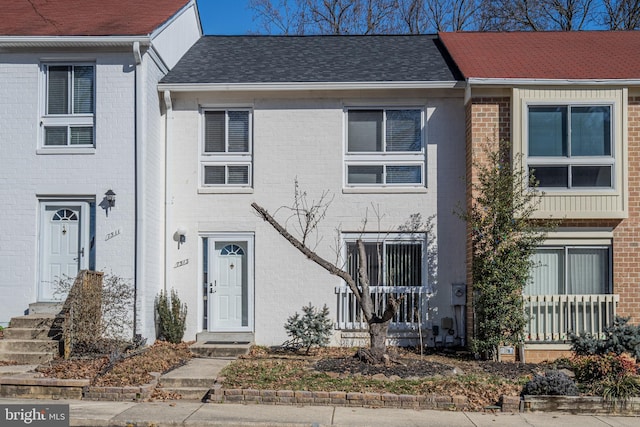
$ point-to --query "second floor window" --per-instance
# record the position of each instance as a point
(226, 153)
(69, 110)
(570, 146)
(385, 148)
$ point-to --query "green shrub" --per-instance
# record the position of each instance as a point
(621, 337)
(552, 383)
(172, 317)
(621, 389)
(313, 328)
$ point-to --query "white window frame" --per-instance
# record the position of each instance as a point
(566, 247)
(65, 120)
(389, 238)
(569, 161)
(226, 159)
(385, 158)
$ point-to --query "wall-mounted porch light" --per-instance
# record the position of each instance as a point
(111, 198)
(180, 236)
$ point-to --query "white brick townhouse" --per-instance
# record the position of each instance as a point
(376, 121)
(80, 121)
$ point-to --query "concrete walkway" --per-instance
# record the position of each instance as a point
(195, 414)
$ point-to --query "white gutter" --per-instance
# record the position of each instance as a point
(167, 185)
(140, 150)
(203, 87)
(21, 41)
(551, 82)
(510, 83)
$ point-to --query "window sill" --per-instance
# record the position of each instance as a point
(384, 190)
(66, 150)
(575, 192)
(223, 190)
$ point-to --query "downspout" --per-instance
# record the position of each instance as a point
(139, 294)
(167, 185)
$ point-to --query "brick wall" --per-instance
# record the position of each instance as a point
(27, 175)
(488, 121)
(626, 236)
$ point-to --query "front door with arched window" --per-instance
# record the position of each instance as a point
(229, 303)
(64, 236)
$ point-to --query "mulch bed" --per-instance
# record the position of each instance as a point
(409, 366)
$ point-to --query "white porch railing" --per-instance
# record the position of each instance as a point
(553, 317)
(412, 309)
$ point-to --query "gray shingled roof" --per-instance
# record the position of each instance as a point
(307, 59)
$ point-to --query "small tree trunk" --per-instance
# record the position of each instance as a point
(377, 351)
(378, 335)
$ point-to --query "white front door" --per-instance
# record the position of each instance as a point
(64, 245)
(229, 299)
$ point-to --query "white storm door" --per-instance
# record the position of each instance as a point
(64, 245)
(229, 294)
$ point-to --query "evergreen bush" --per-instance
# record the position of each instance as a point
(621, 337)
(172, 317)
(313, 328)
(552, 383)
(504, 237)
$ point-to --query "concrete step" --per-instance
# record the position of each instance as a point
(169, 382)
(26, 358)
(37, 321)
(45, 307)
(32, 334)
(225, 337)
(211, 350)
(189, 393)
(44, 346)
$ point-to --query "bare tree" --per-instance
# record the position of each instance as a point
(412, 16)
(285, 17)
(568, 15)
(536, 15)
(451, 15)
(621, 14)
(306, 217)
(428, 16)
(511, 15)
(325, 16)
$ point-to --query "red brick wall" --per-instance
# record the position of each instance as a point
(626, 236)
(538, 356)
(487, 122)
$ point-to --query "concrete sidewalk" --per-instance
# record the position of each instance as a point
(195, 414)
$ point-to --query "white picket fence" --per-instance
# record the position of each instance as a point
(553, 317)
(411, 312)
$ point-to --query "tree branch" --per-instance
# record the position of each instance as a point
(330, 267)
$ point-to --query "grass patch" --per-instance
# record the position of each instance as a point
(281, 373)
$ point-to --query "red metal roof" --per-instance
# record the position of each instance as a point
(546, 55)
(84, 17)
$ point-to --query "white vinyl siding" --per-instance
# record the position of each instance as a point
(385, 148)
(69, 106)
(226, 157)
